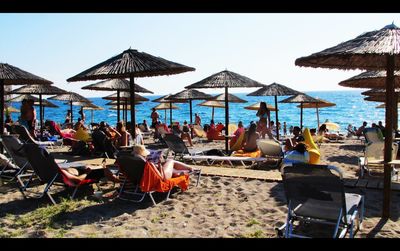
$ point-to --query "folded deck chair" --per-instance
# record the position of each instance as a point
(374, 158)
(26, 137)
(142, 178)
(211, 159)
(315, 194)
(14, 148)
(372, 135)
(48, 171)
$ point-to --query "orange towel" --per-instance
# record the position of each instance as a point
(241, 153)
(152, 181)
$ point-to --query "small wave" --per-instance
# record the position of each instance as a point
(112, 115)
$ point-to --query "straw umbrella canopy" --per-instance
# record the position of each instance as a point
(275, 90)
(225, 79)
(71, 97)
(45, 102)
(301, 98)
(323, 104)
(370, 79)
(231, 98)
(189, 94)
(213, 104)
(375, 50)
(39, 90)
(11, 75)
(131, 64)
(115, 84)
(256, 106)
(165, 99)
(165, 107)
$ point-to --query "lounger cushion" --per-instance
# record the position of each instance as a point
(241, 153)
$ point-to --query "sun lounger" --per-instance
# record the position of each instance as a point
(26, 137)
(315, 194)
(14, 148)
(48, 171)
(210, 160)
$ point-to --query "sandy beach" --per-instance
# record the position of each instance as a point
(219, 207)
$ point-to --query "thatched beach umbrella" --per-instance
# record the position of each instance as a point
(225, 79)
(39, 90)
(71, 97)
(115, 85)
(131, 64)
(301, 98)
(256, 106)
(231, 98)
(370, 79)
(375, 50)
(45, 102)
(213, 104)
(165, 107)
(125, 99)
(189, 95)
(275, 90)
(11, 75)
(323, 104)
(165, 99)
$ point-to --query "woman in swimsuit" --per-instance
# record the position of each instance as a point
(264, 122)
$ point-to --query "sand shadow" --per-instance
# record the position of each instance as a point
(355, 148)
(352, 160)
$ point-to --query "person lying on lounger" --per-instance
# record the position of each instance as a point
(167, 169)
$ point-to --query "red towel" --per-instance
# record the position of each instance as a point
(152, 181)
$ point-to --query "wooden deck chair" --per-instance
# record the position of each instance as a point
(48, 172)
(373, 135)
(199, 131)
(315, 194)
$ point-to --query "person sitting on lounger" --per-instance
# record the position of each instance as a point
(250, 139)
(124, 139)
(326, 135)
(292, 142)
(237, 134)
(360, 130)
(167, 169)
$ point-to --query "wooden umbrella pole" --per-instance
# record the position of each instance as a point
(132, 100)
(276, 116)
(72, 118)
(395, 113)
(226, 119)
(301, 115)
(2, 111)
(387, 181)
(191, 121)
(118, 104)
(41, 114)
(165, 116)
(170, 113)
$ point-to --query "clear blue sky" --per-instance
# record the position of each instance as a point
(260, 46)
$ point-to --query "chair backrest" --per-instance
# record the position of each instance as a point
(175, 144)
(232, 128)
(24, 135)
(373, 134)
(98, 140)
(42, 162)
(14, 148)
(304, 182)
(131, 167)
(375, 150)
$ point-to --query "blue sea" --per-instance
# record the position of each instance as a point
(350, 108)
